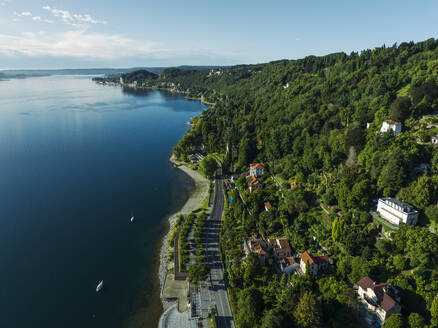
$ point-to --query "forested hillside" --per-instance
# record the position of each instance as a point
(316, 122)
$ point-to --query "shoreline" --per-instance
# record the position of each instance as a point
(192, 203)
(171, 90)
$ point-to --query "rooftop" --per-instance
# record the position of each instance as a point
(392, 122)
(257, 165)
(385, 301)
(398, 204)
(308, 258)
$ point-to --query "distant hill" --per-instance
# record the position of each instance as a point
(23, 73)
(140, 75)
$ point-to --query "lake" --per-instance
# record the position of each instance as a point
(76, 159)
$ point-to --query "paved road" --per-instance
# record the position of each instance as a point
(215, 292)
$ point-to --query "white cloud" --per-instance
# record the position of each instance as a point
(78, 44)
(39, 19)
(23, 14)
(4, 2)
(73, 19)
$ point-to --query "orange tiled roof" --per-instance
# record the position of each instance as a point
(268, 205)
(257, 165)
(307, 258)
(254, 181)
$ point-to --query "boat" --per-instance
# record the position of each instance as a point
(132, 217)
(99, 286)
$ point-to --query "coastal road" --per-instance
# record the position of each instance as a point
(215, 295)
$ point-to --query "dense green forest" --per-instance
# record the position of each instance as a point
(316, 121)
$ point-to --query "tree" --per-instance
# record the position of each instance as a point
(208, 165)
(399, 262)
(272, 319)
(416, 321)
(338, 227)
(354, 137)
(296, 201)
(394, 321)
(432, 213)
(400, 109)
(359, 269)
(245, 152)
(434, 311)
(391, 178)
(250, 306)
(198, 272)
(307, 314)
(428, 89)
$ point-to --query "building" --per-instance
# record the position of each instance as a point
(254, 183)
(258, 246)
(293, 185)
(229, 184)
(390, 125)
(379, 300)
(434, 140)
(280, 248)
(397, 211)
(289, 265)
(315, 264)
(268, 206)
(256, 170)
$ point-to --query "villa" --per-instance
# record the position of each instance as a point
(397, 211)
(256, 169)
(378, 300)
(258, 246)
(315, 264)
(390, 125)
(280, 248)
(254, 183)
(268, 206)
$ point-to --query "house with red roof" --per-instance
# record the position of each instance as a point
(258, 246)
(254, 183)
(268, 206)
(379, 300)
(256, 169)
(315, 264)
(280, 248)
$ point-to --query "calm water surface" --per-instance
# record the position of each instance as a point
(76, 159)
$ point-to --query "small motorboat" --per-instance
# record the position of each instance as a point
(132, 217)
(99, 286)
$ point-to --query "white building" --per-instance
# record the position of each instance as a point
(390, 125)
(315, 264)
(435, 140)
(256, 169)
(379, 300)
(396, 211)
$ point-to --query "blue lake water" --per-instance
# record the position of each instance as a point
(76, 159)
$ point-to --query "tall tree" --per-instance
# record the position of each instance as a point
(416, 321)
(307, 314)
(400, 109)
(250, 307)
(394, 321)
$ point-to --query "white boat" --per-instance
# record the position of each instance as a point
(99, 286)
(132, 217)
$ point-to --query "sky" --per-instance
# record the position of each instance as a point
(132, 33)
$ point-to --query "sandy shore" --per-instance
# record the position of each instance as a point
(193, 202)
